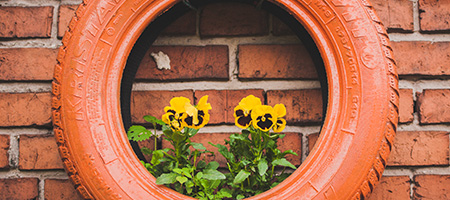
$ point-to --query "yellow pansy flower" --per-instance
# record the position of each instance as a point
(242, 112)
(263, 117)
(197, 116)
(174, 112)
(280, 124)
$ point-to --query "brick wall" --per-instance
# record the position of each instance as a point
(229, 48)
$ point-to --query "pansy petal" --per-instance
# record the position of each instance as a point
(203, 104)
(192, 112)
(249, 102)
(280, 110)
(279, 125)
(263, 117)
(178, 104)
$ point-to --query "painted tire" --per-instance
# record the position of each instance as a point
(355, 141)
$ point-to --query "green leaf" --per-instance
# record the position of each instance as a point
(212, 165)
(186, 171)
(212, 174)
(223, 150)
(201, 164)
(289, 152)
(198, 146)
(283, 162)
(262, 167)
(189, 185)
(199, 175)
(138, 133)
(156, 157)
(167, 178)
(241, 176)
(191, 131)
(152, 120)
(146, 151)
(224, 192)
(181, 179)
(238, 197)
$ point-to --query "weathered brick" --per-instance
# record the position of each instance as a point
(432, 187)
(420, 148)
(430, 58)
(27, 64)
(65, 14)
(392, 188)
(304, 106)
(38, 152)
(186, 63)
(25, 109)
(224, 101)
(275, 62)
(406, 109)
(60, 189)
(4, 147)
(395, 14)
(233, 19)
(19, 189)
(25, 22)
(292, 141)
(434, 106)
(434, 15)
(312, 139)
(153, 103)
(279, 28)
(185, 25)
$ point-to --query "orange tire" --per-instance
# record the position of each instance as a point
(355, 141)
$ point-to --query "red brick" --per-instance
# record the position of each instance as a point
(406, 109)
(392, 188)
(430, 58)
(432, 187)
(24, 22)
(153, 103)
(434, 15)
(275, 62)
(434, 106)
(4, 147)
(38, 152)
(60, 189)
(420, 148)
(25, 109)
(27, 64)
(65, 14)
(233, 19)
(186, 63)
(304, 106)
(395, 14)
(224, 101)
(312, 139)
(292, 141)
(185, 25)
(19, 189)
(279, 28)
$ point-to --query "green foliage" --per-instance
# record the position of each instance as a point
(252, 157)
(180, 167)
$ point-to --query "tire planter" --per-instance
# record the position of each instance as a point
(355, 141)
